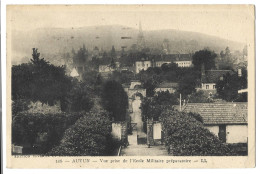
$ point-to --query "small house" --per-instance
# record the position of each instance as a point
(226, 120)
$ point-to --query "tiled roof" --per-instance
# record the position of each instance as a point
(168, 85)
(212, 76)
(220, 113)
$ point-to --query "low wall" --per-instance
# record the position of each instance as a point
(119, 131)
(154, 133)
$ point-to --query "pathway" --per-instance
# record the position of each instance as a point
(143, 150)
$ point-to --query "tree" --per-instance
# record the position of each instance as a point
(205, 57)
(79, 98)
(152, 107)
(199, 97)
(39, 80)
(115, 100)
(89, 136)
(228, 88)
(226, 60)
(81, 57)
(188, 81)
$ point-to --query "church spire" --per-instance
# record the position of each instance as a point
(140, 38)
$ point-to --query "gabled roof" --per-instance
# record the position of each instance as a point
(74, 73)
(168, 85)
(220, 113)
(212, 76)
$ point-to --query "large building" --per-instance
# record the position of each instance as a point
(182, 60)
(142, 65)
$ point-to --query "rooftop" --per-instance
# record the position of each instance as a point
(220, 113)
(212, 76)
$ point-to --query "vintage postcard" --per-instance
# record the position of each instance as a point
(130, 86)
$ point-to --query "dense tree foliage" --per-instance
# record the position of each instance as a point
(40, 131)
(188, 82)
(39, 80)
(80, 98)
(122, 77)
(81, 57)
(228, 88)
(185, 136)
(205, 57)
(227, 60)
(152, 107)
(89, 136)
(199, 97)
(115, 100)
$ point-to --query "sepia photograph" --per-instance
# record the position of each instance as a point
(148, 84)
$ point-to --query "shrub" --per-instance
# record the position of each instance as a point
(185, 136)
(89, 136)
(42, 130)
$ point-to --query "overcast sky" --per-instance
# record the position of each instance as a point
(229, 22)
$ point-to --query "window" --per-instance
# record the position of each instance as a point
(214, 86)
(207, 86)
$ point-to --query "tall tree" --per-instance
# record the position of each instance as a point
(205, 57)
(39, 80)
(115, 100)
(228, 88)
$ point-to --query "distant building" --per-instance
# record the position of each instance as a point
(182, 60)
(226, 120)
(74, 73)
(95, 52)
(142, 65)
(211, 77)
(105, 68)
(167, 86)
(161, 62)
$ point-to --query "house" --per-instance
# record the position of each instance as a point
(209, 79)
(182, 60)
(167, 86)
(227, 120)
(105, 69)
(142, 65)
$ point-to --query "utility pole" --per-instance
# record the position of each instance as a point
(180, 102)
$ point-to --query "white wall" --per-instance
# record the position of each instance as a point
(237, 133)
(211, 86)
(142, 65)
(213, 129)
(157, 131)
(116, 130)
(183, 63)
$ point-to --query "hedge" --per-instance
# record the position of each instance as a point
(27, 128)
(185, 136)
(89, 136)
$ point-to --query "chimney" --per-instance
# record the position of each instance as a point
(239, 71)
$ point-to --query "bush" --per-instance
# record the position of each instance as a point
(42, 130)
(185, 136)
(89, 136)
